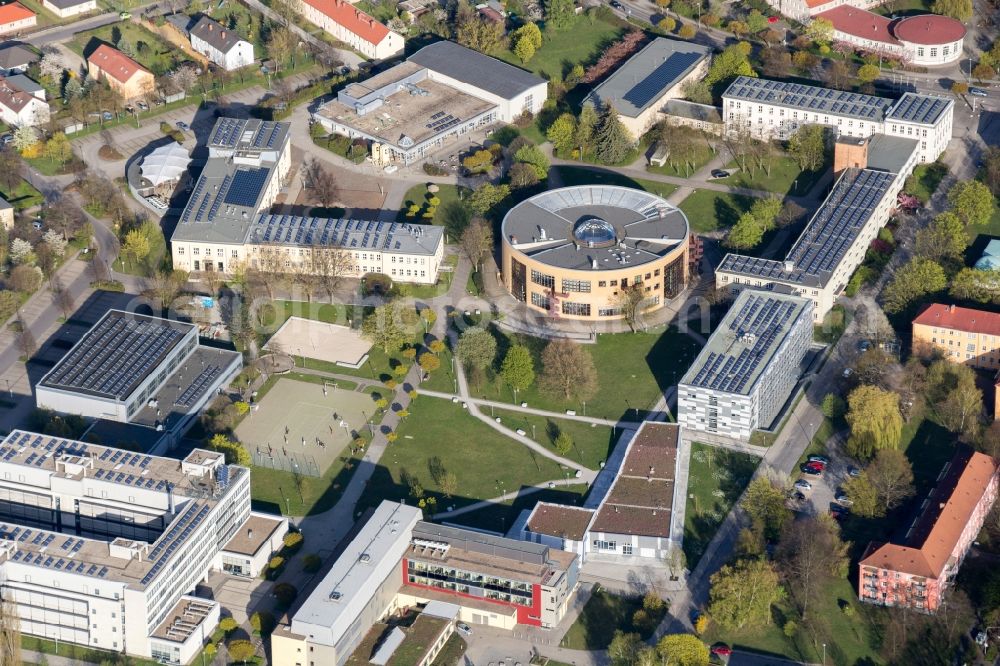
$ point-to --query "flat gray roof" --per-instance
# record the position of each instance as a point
(116, 355)
(747, 338)
(629, 227)
(346, 233)
(686, 109)
(648, 75)
(475, 69)
(224, 202)
(890, 153)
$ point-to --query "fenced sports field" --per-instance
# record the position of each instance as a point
(303, 427)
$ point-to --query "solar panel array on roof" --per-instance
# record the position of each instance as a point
(178, 533)
(246, 187)
(913, 107)
(656, 81)
(115, 355)
(227, 132)
(809, 98)
(197, 387)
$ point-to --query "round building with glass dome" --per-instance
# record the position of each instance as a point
(582, 252)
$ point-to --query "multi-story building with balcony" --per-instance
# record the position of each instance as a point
(916, 573)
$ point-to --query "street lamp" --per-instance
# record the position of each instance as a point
(824, 654)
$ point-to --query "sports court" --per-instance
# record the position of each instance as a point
(296, 427)
(319, 340)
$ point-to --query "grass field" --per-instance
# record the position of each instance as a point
(498, 517)
(702, 154)
(591, 445)
(23, 196)
(582, 44)
(451, 212)
(714, 211)
(924, 180)
(154, 54)
(785, 177)
(601, 616)
(485, 462)
(599, 176)
(633, 370)
(716, 479)
(152, 262)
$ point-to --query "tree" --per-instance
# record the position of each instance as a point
(559, 14)
(972, 200)
(746, 234)
(764, 502)
(808, 146)
(959, 88)
(667, 24)
(10, 632)
(477, 241)
(25, 138)
(285, 593)
(682, 650)
(479, 34)
(983, 72)
(9, 303)
(863, 496)
(568, 371)
(944, 238)
(961, 408)
(533, 156)
(624, 648)
(262, 622)
(136, 246)
(24, 278)
(868, 73)
(477, 348)
(228, 624)
(517, 369)
(524, 49)
(487, 196)
(563, 443)
(531, 32)
(383, 328)
(429, 362)
(875, 421)
(957, 9)
(976, 285)
(742, 594)
(687, 31)
(281, 44)
(820, 30)
(809, 554)
(732, 62)
(612, 142)
(833, 406)
(586, 126)
(522, 176)
(891, 478)
(21, 251)
(481, 161)
(236, 453)
(911, 282)
(58, 148)
(629, 302)
(320, 181)
(55, 241)
(562, 133)
(241, 650)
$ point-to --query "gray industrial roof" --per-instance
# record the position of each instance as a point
(116, 355)
(747, 338)
(686, 109)
(890, 153)
(648, 75)
(629, 227)
(809, 98)
(917, 108)
(216, 34)
(347, 234)
(475, 69)
(224, 202)
(828, 235)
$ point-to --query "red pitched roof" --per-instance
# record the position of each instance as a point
(929, 29)
(813, 4)
(959, 319)
(937, 531)
(355, 20)
(115, 63)
(860, 23)
(15, 11)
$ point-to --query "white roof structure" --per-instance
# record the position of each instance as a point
(165, 164)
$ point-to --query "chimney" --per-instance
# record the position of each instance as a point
(951, 308)
(211, 27)
(789, 265)
(249, 533)
(223, 34)
(170, 498)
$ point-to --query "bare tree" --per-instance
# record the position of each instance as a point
(10, 631)
(330, 265)
(320, 181)
(477, 241)
(62, 298)
(629, 302)
(25, 338)
(809, 553)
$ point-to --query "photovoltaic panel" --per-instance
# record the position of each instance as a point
(246, 187)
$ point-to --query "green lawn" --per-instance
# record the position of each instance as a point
(571, 175)
(702, 154)
(902, 7)
(991, 228)
(155, 54)
(78, 654)
(716, 480)
(47, 166)
(633, 370)
(23, 196)
(486, 463)
(601, 616)
(591, 445)
(582, 44)
(277, 491)
(152, 262)
(498, 517)
(275, 313)
(714, 211)
(451, 212)
(785, 177)
(924, 180)
(452, 651)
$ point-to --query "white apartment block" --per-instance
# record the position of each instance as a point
(776, 109)
(748, 368)
(103, 548)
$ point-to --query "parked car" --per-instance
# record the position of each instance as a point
(617, 5)
(124, 16)
(721, 650)
(864, 346)
(847, 372)
(816, 464)
(142, 106)
(719, 173)
(183, 126)
(978, 92)
(37, 225)
(802, 484)
(812, 471)
(840, 511)
(853, 471)
(798, 496)
(842, 499)
(819, 459)
(107, 115)
(464, 629)
(6, 138)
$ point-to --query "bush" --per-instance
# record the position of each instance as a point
(228, 624)
(285, 593)
(833, 406)
(293, 541)
(276, 562)
(241, 650)
(434, 170)
(262, 622)
(312, 563)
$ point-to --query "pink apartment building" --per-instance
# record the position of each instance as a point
(917, 573)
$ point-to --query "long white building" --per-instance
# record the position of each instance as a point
(776, 109)
(748, 368)
(104, 547)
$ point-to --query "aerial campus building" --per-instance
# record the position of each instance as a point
(138, 369)
(748, 368)
(925, 40)
(227, 221)
(103, 547)
(398, 561)
(441, 92)
(640, 88)
(573, 252)
(776, 109)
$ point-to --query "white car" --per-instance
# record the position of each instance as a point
(802, 484)
(847, 372)
(464, 629)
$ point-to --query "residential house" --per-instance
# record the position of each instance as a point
(15, 17)
(124, 75)
(68, 8)
(15, 58)
(962, 335)
(22, 101)
(223, 47)
(354, 27)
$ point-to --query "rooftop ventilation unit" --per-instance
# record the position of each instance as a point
(365, 557)
(335, 595)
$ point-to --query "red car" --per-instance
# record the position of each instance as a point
(815, 464)
(721, 650)
(772, 19)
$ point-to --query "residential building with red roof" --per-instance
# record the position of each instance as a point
(962, 335)
(15, 17)
(124, 75)
(803, 10)
(354, 27)
(928, 39)
(915, 573)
